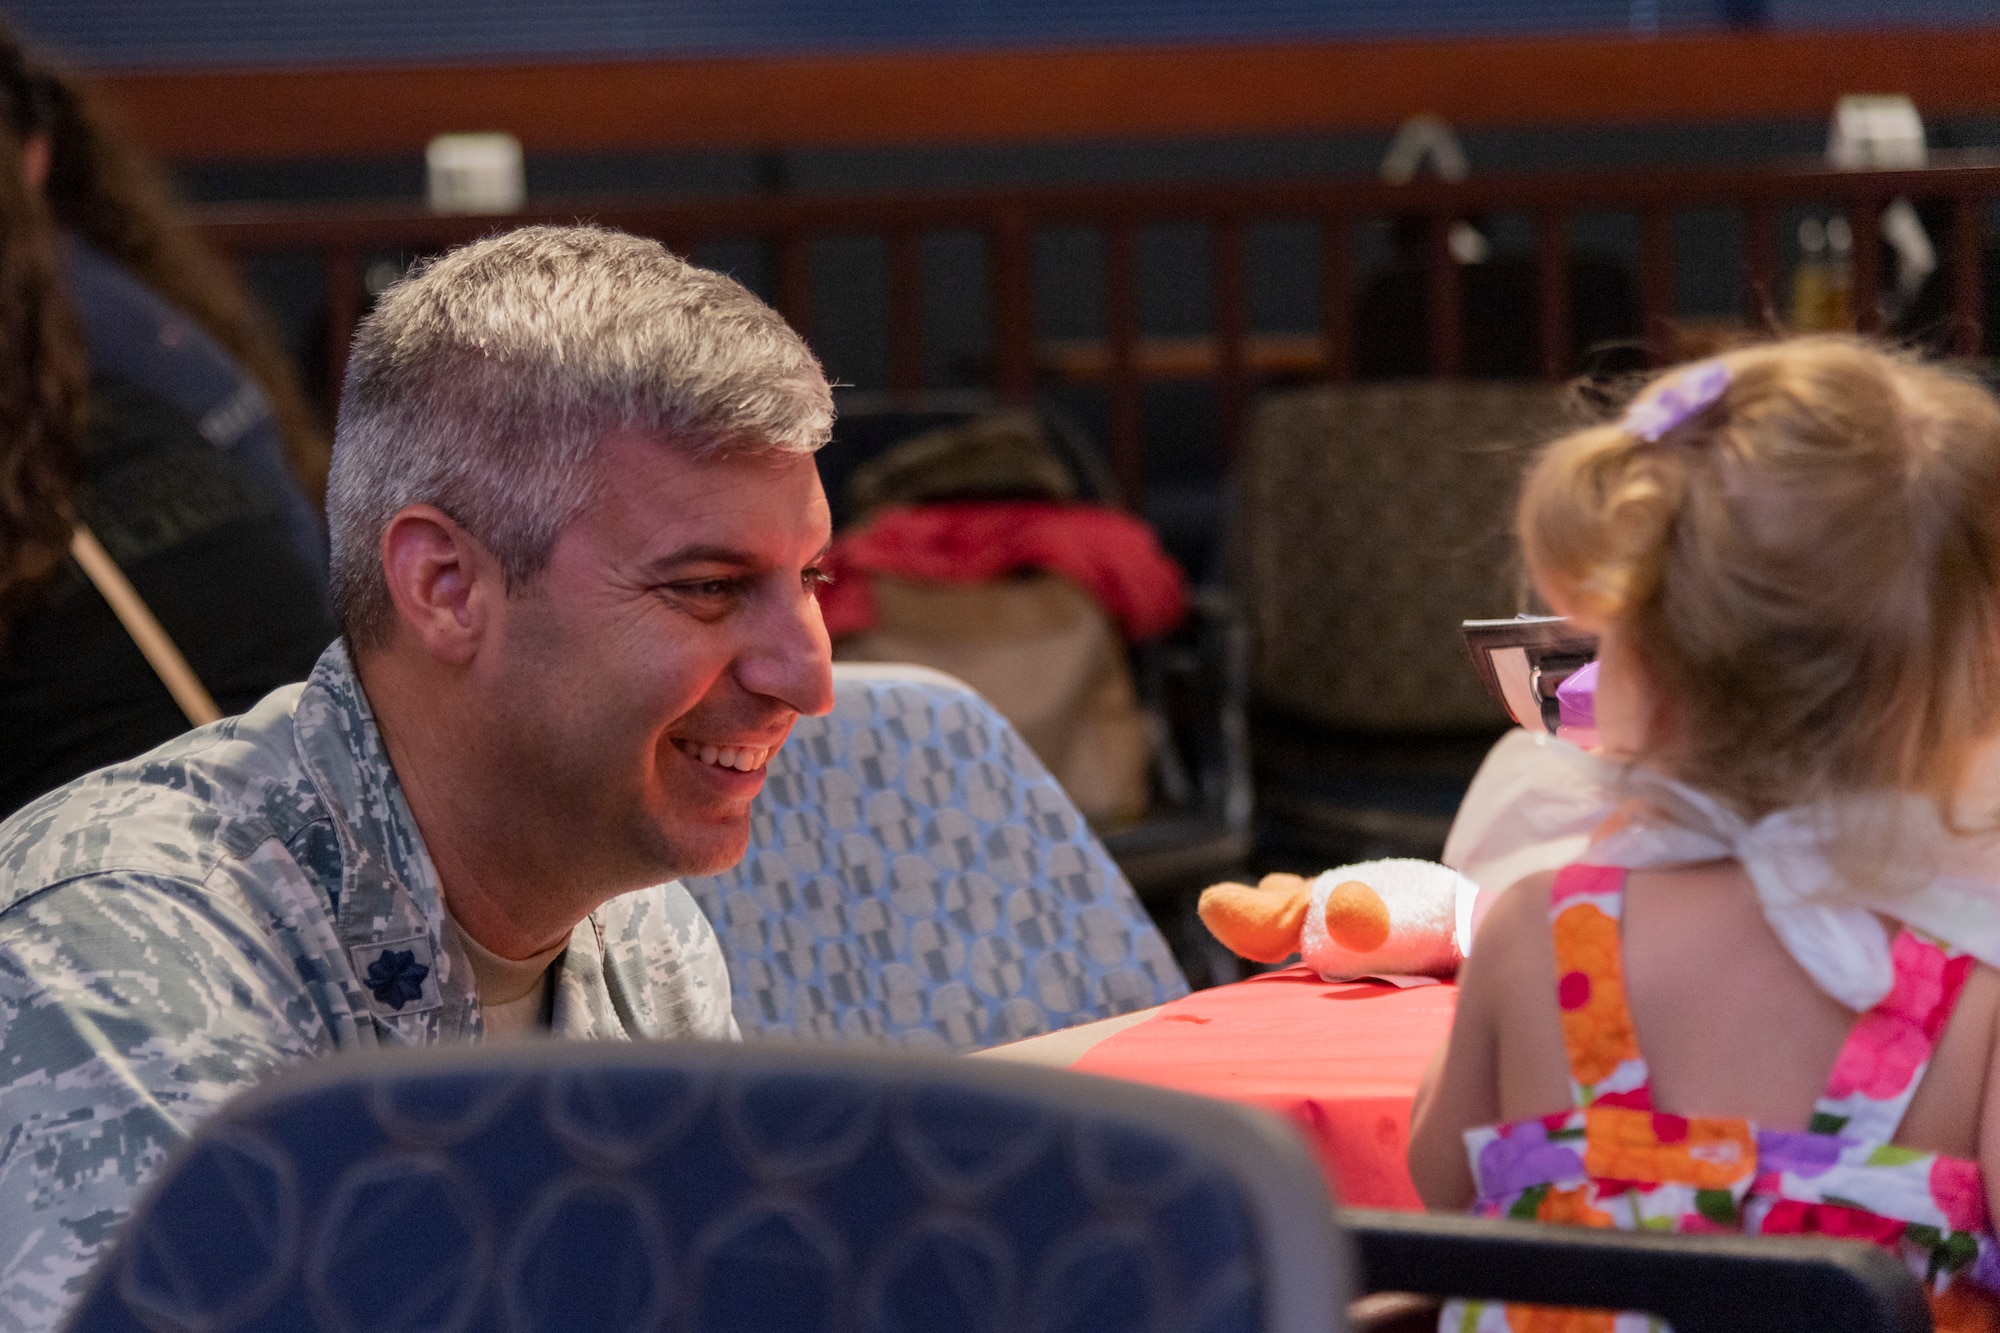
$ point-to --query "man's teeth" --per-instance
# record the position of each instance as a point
(743, 758)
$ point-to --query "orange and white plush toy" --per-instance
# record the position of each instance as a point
(1393, 918)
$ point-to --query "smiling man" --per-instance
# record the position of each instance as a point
(576, 525)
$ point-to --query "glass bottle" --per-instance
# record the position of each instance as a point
(1811, 285)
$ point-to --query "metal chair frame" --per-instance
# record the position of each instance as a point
(1699, 1284)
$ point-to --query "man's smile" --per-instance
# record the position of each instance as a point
(742, 758)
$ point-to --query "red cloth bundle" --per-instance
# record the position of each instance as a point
(1111, 555)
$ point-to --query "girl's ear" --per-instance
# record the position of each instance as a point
(1663, 722)
(37, 152)
(1633, 715)
(1562, 600)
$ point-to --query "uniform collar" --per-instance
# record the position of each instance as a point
(391, 914)
(390, 918)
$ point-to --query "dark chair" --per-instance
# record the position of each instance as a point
(1699, 1284)
(916, 878)
(1370, 521)
(1192, 683)
(709, 1188)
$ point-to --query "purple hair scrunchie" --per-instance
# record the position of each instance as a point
(1677, 398)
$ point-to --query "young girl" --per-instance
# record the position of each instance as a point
(1763, 999)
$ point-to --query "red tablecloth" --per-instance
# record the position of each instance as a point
(1342, 1061)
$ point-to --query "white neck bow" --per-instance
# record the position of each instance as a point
(1537, 803)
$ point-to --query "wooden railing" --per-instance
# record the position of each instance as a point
(1234, 356)
(1041, 95)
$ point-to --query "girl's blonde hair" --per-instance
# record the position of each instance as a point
(1809, 568)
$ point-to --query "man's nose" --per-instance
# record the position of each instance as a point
(791, 659)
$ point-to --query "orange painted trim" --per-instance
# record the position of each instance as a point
(1025, 96)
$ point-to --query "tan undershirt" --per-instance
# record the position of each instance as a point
(512, 992)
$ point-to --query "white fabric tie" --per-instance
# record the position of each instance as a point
(1537, 802)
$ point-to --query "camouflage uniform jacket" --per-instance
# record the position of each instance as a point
(252, 894)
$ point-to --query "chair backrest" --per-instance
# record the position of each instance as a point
(916, 878)
(1698, 1284)
(1371, 520)
(708, 1188)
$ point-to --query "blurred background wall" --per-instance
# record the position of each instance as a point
(1159, 221)
(155, 33)
(333, 100)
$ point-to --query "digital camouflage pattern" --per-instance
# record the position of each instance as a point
(252, 894)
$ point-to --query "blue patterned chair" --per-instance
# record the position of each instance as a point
(916, 878)
(709, 1188)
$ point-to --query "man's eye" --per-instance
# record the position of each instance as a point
(707, 588)
(816, 578)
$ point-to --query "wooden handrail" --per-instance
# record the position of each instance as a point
(1552, 292)
(265, 227)
(956, 98)
(1236, 355)
(1968, 292)
(1127, 446)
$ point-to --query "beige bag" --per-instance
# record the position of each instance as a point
(1047, 656)
(1002, 455)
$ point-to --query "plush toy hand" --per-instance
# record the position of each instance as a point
(1261, 923)
(1356, 917)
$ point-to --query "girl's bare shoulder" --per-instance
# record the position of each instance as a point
(1513, 941)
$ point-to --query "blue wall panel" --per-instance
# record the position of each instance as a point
(1877, 13)
(290, 32)
(294, 32)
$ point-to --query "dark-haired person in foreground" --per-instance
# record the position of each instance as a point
(575, 531)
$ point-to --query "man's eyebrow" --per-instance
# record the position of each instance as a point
(699, 554)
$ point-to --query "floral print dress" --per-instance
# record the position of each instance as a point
(1614, 1161)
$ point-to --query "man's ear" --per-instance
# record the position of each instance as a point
(442, 580)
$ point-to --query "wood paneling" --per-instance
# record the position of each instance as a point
(1048, 95)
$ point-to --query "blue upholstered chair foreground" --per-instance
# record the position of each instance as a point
(916, 878)
(704, 1188)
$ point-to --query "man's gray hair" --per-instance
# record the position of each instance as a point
(485, 382)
